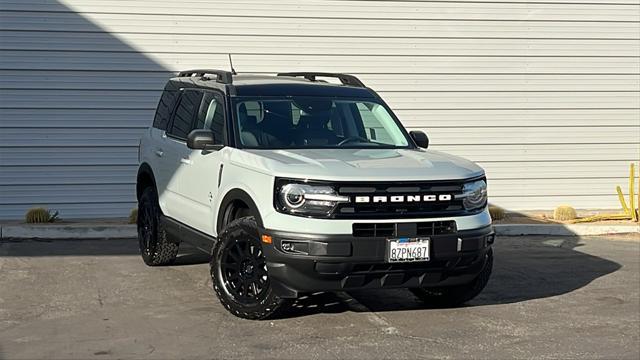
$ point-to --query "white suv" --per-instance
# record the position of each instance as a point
(296, 185)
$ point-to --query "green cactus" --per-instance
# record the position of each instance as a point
(564, 212)
(497, 213)
(40, 215)
(133, 216)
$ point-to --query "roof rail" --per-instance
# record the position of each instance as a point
(345, 79)
(222, 76)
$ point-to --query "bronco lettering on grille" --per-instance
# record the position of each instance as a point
(403, 198)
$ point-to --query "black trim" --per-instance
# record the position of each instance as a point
(144, 169)
(179, 232)
(345, 79)
(222, 76)
(231, 196)
(340, 262)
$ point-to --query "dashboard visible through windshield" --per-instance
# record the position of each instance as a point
(304, 122)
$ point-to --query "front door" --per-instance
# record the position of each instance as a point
(202, 169)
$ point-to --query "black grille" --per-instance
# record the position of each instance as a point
(406, 209)
(427, 228)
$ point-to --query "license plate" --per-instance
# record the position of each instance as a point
(407, 249)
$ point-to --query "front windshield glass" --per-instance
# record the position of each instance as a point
(303, 122)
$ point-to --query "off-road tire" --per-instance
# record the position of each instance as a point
(267, 304)
(454, 296)
(155, 247)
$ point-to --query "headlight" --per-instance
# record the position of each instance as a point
(307, 199)
(474, 195)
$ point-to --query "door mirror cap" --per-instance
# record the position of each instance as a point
(420, 138)
(201, 139)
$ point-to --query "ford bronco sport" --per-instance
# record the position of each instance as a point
(296, 185)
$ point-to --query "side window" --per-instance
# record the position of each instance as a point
(211, 116)
(165, 106)
(183, 118)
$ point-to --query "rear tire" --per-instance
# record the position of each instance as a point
(239, 273)
(454, 296)
(155, 247)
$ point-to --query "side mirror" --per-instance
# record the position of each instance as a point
(201, 139)
(420, 138)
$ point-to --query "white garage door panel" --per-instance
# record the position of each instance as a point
(74, 211)
(492, 118)
(66, 194)
(131, 27)
(44, 156)
(25, 60)
(77, 118)
(576, 170)
(67, 175)
(520, 154)
(83, 99)
(61, 41)
(555, 135)
(102, 80)
(349, 9)
(16, 137)
(515, 203)
(558, 187)
(511, 100)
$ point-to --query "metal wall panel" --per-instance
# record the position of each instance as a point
(544, 94)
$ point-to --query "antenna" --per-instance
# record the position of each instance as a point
(233, 71)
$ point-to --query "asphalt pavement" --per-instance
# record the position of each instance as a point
(559, 297)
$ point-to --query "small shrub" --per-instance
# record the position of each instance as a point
(133, 216)
(564, 212)
(497, 213)
(40, 215)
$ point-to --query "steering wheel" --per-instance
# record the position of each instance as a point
(352, 139)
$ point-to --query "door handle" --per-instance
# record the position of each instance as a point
(159, 153)
(186, 161)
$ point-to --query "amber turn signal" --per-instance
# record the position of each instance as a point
(267, 239)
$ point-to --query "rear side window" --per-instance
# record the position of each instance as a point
(182, 122)
(165, 106)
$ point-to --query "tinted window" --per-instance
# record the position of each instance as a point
(183, 118)
(165, 106)
(211, 116)
(306, 122)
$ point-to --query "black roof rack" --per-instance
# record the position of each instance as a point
(345, 79)
(222, 76)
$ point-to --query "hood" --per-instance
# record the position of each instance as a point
(358, 164)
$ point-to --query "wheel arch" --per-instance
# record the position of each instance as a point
(232, 198)
(144, 179)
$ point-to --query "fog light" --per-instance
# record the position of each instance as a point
(490, 239)
(295, 247)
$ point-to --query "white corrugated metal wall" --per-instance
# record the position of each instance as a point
(544, 94)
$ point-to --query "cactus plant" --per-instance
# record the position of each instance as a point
(40, 215)
(497, 213)
(564, 212)
(133, 216)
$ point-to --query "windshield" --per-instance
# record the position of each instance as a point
(304, 122)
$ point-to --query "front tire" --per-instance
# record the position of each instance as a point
(454, 296)
(239, 273)
(155, 247)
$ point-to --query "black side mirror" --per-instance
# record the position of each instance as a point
(201, 139)
(420, 138)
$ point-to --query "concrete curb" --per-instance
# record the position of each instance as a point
(68, 231)
(564, 230)
(120, 231)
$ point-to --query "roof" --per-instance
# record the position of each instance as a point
(266, 85)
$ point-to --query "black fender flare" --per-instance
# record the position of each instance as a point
(144, 170)
(237, 194)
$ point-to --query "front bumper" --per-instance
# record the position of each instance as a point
(343, 262)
